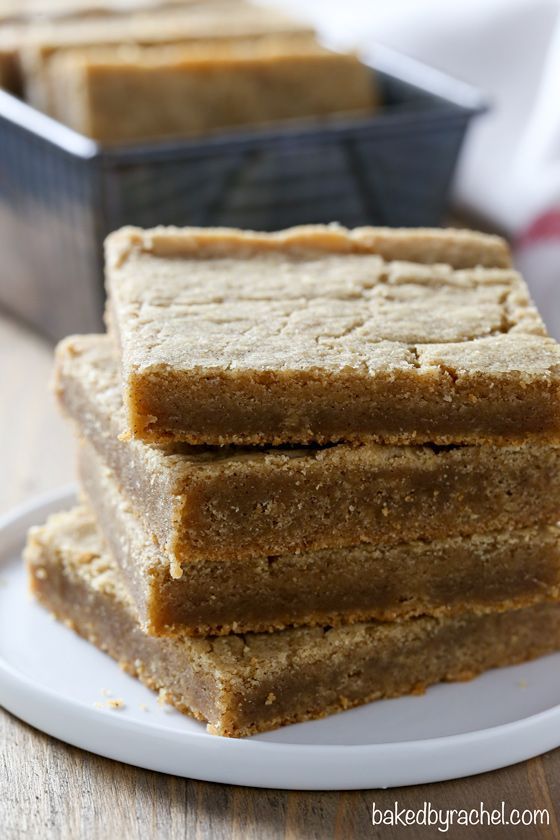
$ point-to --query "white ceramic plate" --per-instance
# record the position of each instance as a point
(52, 679)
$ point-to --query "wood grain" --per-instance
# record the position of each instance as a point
(50, 791)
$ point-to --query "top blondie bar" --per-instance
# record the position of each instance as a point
(323, 334)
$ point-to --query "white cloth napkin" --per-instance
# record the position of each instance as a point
(509, 171)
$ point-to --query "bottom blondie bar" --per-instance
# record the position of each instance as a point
(246, 684)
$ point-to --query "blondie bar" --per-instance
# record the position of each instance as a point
(146, 93)
(320, 334)
(202, 22)
(246, 684)
(482, 573)
(204, 502)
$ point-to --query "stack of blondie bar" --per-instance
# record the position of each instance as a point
(318, 467)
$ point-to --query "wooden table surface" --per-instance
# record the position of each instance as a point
(51, 791)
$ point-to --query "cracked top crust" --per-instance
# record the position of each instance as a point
(319, 334)
(319, 297)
